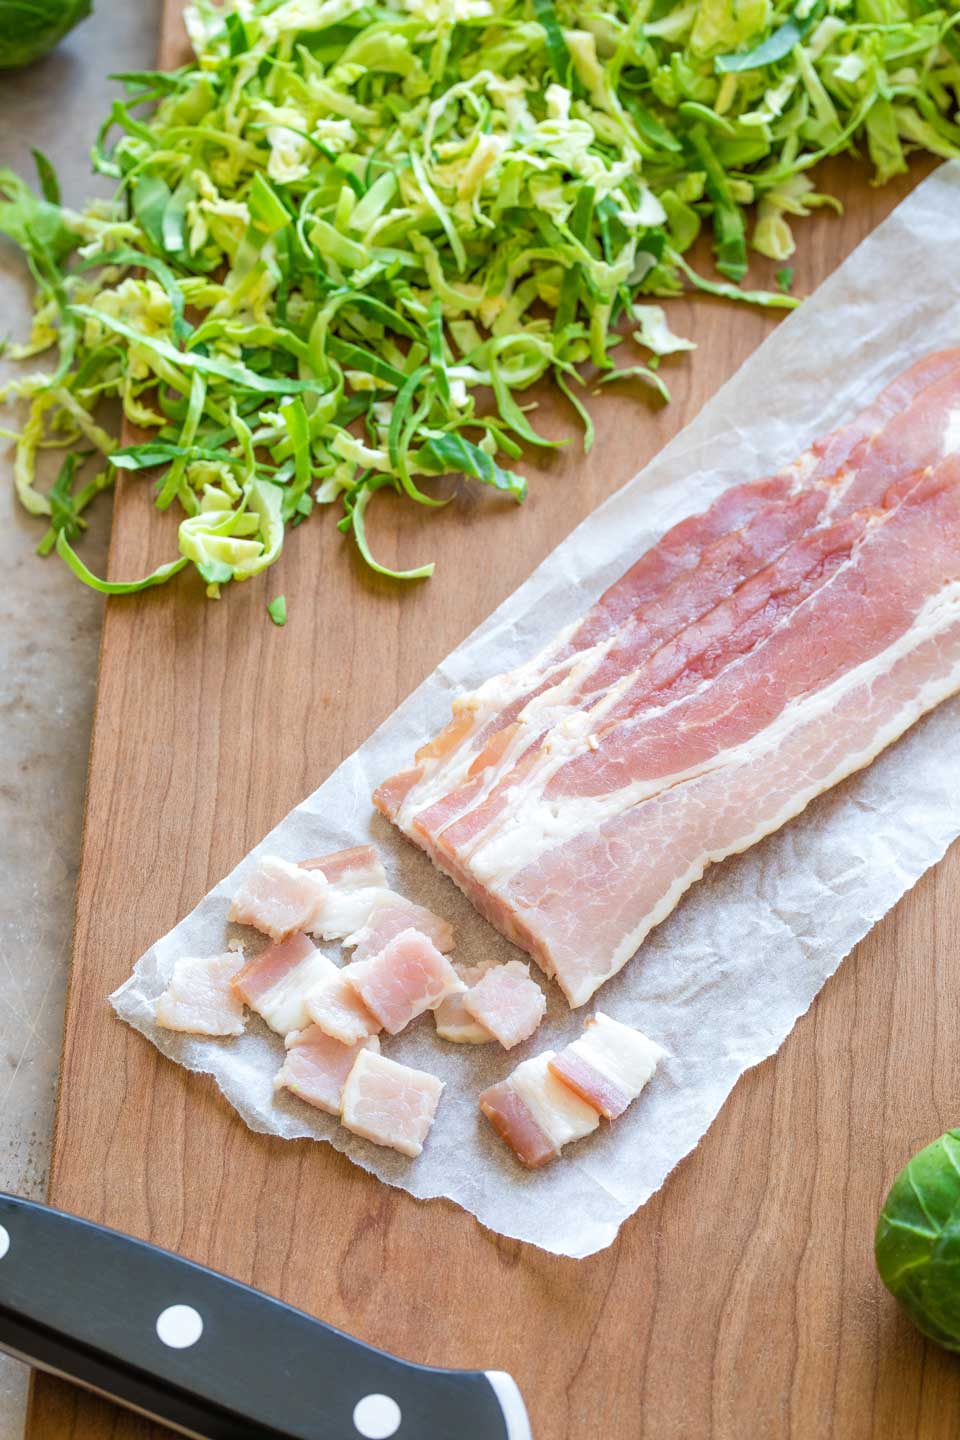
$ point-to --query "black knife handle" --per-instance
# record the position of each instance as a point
(214, 1358)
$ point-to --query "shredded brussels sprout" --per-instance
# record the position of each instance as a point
(348, 237)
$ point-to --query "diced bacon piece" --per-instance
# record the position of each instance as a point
(390, 1104)
(681, 734)
(507, 1003)
(357, 882)
(608, 1065)
(390, 917)
(514, 1122)
(336, 1007)
(452, 1020)
(536, 1113)
(277, 982)
(408, 977)
(317, 1066)
(200, 999)
(279, 898)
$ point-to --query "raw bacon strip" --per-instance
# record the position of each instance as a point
(507, 1003)
(390, 1104)
(408, 977)
(608, 1065)
(452, 1020)
(277, 982)
(389, 918)
(536, 1113)
(279, 898)
(569, 853)
(337, 1009)
(679, 556)
(199, 998)
(356, 882)
(317, 1066)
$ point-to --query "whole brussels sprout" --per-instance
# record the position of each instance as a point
(29, 28)
(918, 1240)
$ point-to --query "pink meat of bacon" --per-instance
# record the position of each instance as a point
(276, 983)
(408, 977)
(390, 1104)
(335, 1006)
(587, 826)
(389, 918)
(316, 1067)
(279, 898)
(200, 999)
(507, 1002)
(536, 1113)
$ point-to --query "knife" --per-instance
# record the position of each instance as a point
(212, 1358)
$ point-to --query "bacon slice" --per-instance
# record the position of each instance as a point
(335, 1006)
(390, 1104)
(317, 1066)
(408, 977)
(661, 753)
(200, 999)
(451, 1018)
(277, 982)
(507, 1002)
(389, 918)
(279, 898)
(608, 1065)
(537, 1114)
(356, 882)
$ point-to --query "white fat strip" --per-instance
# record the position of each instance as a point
(283, 1006)
(951, 439)
(348, 908)
(533, 824)
(618, 1052)
(561, 1115)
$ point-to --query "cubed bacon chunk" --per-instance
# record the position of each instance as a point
(608, 1065)
(200, 999)
(279, 898)
(390, 1104)
(408, 977)
(451, 1018)
(507, 1002)
(317, 1066)
(356, 883)
(390, 917)
(336, 1007)
(540, 1114)
(276, 983)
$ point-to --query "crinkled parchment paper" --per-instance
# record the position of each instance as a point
(723, 981)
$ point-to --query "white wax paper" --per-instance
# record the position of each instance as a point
(722, 982)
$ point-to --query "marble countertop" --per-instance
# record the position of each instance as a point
(49, 635)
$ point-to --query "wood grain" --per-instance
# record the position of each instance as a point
(741, 1303)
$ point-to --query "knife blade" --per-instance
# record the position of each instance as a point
(211, 1357)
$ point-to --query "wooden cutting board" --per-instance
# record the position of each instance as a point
(741, 1302)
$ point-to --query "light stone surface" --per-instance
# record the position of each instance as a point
(49, 633)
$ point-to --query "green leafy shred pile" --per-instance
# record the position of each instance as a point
(348, 237)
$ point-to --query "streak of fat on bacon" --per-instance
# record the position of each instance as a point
(389, 917)
(452, 1020)
(507, 1002)
(276, 984)
(199, 999)
(279, 898)
(536, 1113)
(317, 1066)
(669, 576)
(336, 1007)
(356, 883)
(594, 829)
(608, 1065)
(408, 977)
(390, 1104)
